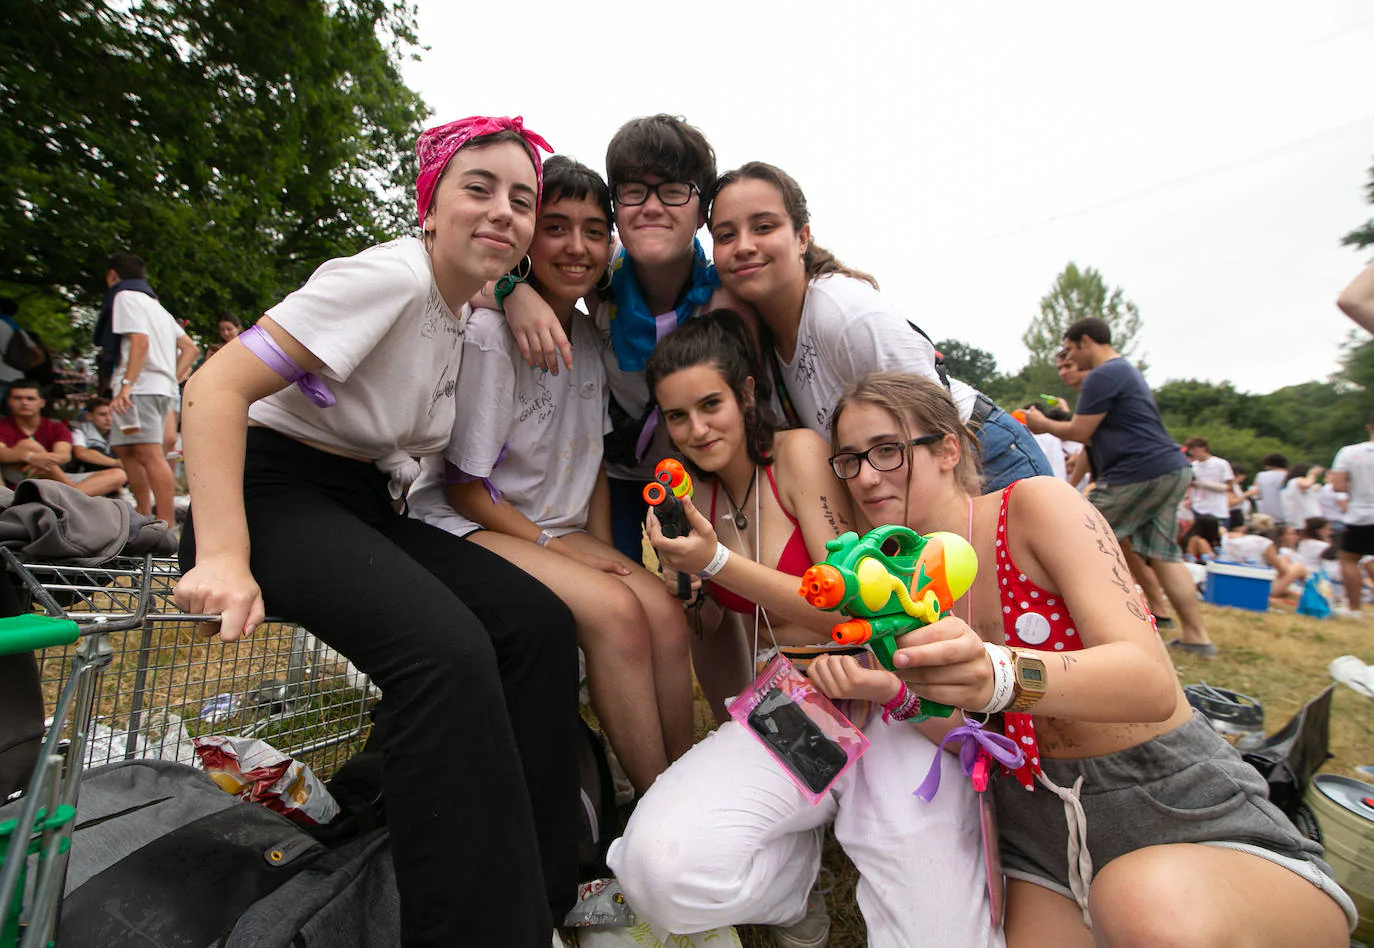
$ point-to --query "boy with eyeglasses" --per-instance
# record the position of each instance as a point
(661, 172)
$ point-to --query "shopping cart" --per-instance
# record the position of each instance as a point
(168, 685)
(44, 824)
(128, 677)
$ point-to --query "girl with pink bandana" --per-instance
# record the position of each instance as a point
(293, 489)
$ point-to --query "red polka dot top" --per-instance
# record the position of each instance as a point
(1031, 618)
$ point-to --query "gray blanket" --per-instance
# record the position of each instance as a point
(51, 521)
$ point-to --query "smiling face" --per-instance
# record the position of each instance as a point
(891, 497)
(704, 418)
(655, 234)
(572, 242)
(758, 251)
(483, 218)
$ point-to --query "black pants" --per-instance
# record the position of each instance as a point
(21, 702)
(477, 663)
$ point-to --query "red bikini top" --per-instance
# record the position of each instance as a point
(1031, 617)
(795, 558)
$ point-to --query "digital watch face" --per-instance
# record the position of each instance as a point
(1032, 674)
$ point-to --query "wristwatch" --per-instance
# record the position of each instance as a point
(1030, 680)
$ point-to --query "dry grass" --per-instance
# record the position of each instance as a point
(1278, 658)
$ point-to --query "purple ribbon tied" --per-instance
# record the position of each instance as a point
(453, 474)
(976, 740)
(258, 342)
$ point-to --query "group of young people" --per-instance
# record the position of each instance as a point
(514, 372)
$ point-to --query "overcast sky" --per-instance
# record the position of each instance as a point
(1204, 157)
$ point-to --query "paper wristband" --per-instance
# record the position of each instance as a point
(1003, 680)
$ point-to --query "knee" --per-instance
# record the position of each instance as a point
(1141, 901)
(658, 868)
(620, 624)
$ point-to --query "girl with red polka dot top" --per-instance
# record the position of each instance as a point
(1141, 825)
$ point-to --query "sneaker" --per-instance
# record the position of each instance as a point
(813, 931)
(1345, 612)
(1200, 649)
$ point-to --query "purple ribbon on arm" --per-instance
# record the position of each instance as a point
(1000, 747)
(262, 345)
(453, 474)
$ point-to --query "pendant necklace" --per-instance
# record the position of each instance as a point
(741, 521)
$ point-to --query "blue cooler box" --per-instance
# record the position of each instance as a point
(1234, 584)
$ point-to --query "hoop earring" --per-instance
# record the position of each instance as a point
(603, 285)
(523, 274)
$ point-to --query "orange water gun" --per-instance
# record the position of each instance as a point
(664, 496)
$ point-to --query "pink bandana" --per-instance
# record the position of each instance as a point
(439, 144)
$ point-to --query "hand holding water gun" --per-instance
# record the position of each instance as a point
(664, 496)
(888, 594)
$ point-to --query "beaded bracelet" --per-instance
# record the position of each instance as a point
(906, 705)
(505, 287)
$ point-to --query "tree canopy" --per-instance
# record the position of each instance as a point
(1362, 237)
(234, 145)
(1076, 295)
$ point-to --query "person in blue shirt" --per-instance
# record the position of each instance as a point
(1141, 475)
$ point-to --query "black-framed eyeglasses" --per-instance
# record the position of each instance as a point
(670, 193)
(887, 456)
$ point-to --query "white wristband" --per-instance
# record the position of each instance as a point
(717, 562)
(1003, 679)
(545, 538)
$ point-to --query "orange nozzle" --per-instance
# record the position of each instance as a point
(852, 632)
(822, 586)
(655, 493)
(669, 472)
(1019, 415)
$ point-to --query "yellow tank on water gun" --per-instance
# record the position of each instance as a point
(890, 582)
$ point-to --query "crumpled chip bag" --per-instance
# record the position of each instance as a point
(257, 772)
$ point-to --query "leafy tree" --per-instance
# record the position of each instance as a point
(976, 367)
(234, 145)
(1362, 237)
(1075, 295)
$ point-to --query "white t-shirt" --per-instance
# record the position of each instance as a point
(139, 312)
(1248, 548)
(847, 330)
(1054, 453)
(1214, 470)
(1309, 553)
(551, 427)
(1357, 460)
(1299, 504)
(1270, 485)
(631, 391)
(1332, 503)
(391, 349)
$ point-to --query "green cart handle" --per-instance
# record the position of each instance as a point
(28, 633)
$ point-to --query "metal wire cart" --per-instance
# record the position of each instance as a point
(126, 676)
